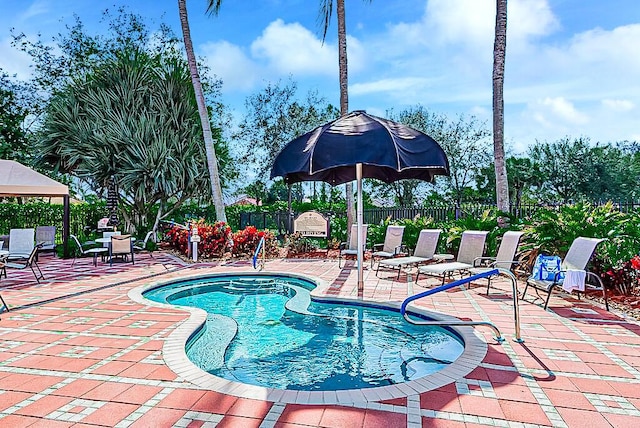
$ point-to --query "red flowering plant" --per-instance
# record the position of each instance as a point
(178, 238)
(215, 239)
(246, 241)
(625, 279)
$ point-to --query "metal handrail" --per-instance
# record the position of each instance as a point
(492, 272)
(255, 255)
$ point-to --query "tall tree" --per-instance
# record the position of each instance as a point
(14, 142)
(464, 140)
(213, 7)
(274, 116)
(326, 10)
(132, 123)
(499, 54)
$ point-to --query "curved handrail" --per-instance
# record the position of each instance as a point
(492, 272)
(255, 255)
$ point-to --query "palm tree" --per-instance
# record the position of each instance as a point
(499, 53)
(326, 10)
(213, 7)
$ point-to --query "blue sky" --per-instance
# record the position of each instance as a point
(573, 66)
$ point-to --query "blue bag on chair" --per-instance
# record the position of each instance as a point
(546, 267)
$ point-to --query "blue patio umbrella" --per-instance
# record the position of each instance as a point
(359, 145)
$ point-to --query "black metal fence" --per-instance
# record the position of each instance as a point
(279, 221)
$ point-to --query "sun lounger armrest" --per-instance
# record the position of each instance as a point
(512, 262)
(378, 247)
(343, 246)
(483, 261)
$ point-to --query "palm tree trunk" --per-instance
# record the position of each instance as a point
(499, 53)
(344, 99)
(212, 161)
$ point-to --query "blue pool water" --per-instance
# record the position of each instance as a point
(251, 337)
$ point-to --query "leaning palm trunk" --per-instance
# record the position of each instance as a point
(212, 161)
(344, 99)
(499, 53)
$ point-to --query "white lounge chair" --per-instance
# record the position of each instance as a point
(471, 247)
(21, 243)
(392, 245)
(352, 249)
(577, 257)
(46, 236)
(423, 253)
(504, 259)
(29, 262)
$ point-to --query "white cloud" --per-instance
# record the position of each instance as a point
(558, 110)
(471, 23)
(232, 65)
(618, 105)
(293, 49)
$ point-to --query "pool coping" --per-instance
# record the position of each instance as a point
(175, 356)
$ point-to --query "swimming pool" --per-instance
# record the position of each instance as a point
(265, 331)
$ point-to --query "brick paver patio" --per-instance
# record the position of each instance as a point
(76, 351)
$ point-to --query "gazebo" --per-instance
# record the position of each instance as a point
(18, 180)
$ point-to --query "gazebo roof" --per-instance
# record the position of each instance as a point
(19, 180)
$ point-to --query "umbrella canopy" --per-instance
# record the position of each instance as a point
(360, 145)
(388, 151)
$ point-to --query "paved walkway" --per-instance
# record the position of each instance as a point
(77, 351)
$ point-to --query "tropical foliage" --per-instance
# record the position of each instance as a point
(132, 120)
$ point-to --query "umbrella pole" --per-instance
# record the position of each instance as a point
(359, 221)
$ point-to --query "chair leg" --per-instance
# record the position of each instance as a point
(488, 284)
(548, 297)
(524, 292)
(4, 305)
(34, 272)
(604, 295)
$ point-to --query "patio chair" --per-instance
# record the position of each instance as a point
(21, 243)
(140, 247)
(46, 235)
(392, 245)
(109, 234)
(121, 245)
(504, 259)
(29, 262)
(577, 257)
(88, 252)
(423, 253)
(471, 247)
(352, 249)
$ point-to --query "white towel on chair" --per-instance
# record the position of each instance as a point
(574, 280)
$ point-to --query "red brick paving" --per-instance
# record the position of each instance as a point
(574, 369)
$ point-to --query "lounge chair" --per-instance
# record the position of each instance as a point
(576, 259)
(392, 245)
(88, 252)
(140, 247)
(352, 249)
(46, 235)
(423, 253)
(21, 243)
(29, 262)
(121, 245)
(504, 259)
(471, 247)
